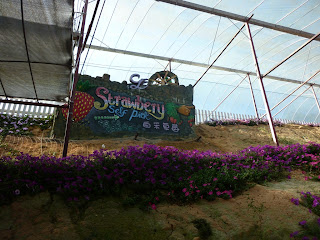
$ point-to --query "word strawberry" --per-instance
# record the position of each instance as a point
(82, 105)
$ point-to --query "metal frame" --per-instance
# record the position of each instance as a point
(238, 17)
(229, 94)
(234, 36)
(74, 84)
(293, 53)
(253, 98)
(263, 92)
(315, 97)
(33, 103)
(27, 51)
(145, 55)
(315, 74)
(292, 101)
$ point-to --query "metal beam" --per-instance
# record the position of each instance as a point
(263, 92)
(197, 64)
(229, 94)
(296, 51)
(228, 44)
(292, 101)
(315, 97)
(253, 98)
(239, 18)
(304, 83)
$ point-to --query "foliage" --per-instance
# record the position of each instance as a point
(84, 85)
(311, 228)
(13, 125)
(156, 173)
(248, 122)
(171, 109)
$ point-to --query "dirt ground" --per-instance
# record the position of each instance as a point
(218, 139)
(262, 212)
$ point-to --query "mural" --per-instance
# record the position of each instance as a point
(101, 111)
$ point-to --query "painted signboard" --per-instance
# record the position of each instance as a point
(101, 111)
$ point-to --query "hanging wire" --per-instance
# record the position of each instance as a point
(126, 23)
(94, 32)
(164, 34)
(258, 47)
(196, 16)
(214, 40)
(180, 35)
(140, 24)
(113, 11)
(305, 14)
(123, 31)
(305, 68)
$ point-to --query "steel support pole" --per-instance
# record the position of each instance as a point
(74, 84)
(229, 94)
(220, 54)
(291, 101)
(296, 51)
(294, 91)
(263, 92)
(315, 97)
(253, 98)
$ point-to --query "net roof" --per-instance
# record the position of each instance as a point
(39, 31)
(167, 30)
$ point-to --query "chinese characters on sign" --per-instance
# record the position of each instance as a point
(165, 126)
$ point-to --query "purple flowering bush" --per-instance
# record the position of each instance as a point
(310, 230)
(247, 122)
(13, 125)
(152, 173)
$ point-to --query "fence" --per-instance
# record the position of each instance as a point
(202, 116)
(29, 110)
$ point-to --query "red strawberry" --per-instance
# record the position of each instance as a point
(83, 102)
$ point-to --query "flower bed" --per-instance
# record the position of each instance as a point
(152, 173)
(12, 125)
(250, 122)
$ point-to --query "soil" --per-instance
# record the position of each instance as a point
(218, 139)
(262, 212)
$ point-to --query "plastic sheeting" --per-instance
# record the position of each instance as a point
(48, 32)
(157, 28)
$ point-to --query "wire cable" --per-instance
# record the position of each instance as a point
(27, 51)
(94, 32)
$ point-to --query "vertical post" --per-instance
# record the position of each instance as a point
(263, 92)
(74, 84)
(253, 99)
(315, 97)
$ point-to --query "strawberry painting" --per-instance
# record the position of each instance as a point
(83, 103)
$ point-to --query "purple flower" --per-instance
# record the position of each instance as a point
(294, 234)
(17, 192)
(295, 201)
(303, 223)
